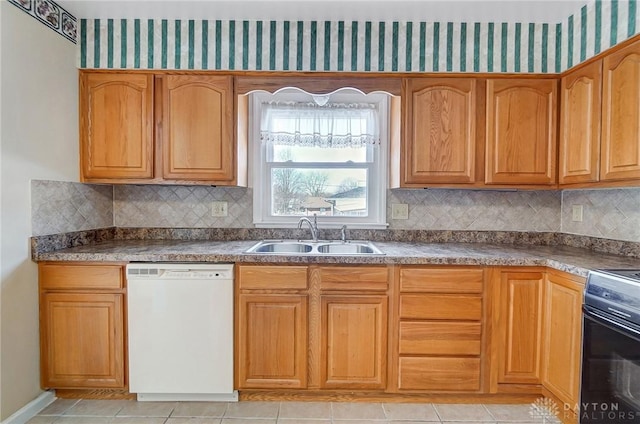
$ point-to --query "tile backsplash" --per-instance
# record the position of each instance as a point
(608, 213)
(180, 206)
(59, 207)
(489, 210)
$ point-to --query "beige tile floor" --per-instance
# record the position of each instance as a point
(67, 411)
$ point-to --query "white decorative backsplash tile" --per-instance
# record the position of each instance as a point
(439, 209)
(181, 206)
(607, 213)
(58, 207)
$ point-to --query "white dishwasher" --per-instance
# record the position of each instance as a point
(180, 331)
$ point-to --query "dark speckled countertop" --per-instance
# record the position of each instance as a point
(574, 260)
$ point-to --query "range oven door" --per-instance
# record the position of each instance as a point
(610, 390)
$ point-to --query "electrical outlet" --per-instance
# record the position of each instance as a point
(576, 213)
(219, 209)
(399, 211)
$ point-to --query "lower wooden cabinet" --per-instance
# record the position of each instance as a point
(272, 348)
(322, 327)
(82, 326)
(518, 325)
(354, 341)
(440, 329)
(562, 336)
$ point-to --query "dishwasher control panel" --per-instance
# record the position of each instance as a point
(180, 271)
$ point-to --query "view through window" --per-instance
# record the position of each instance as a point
(320, 155)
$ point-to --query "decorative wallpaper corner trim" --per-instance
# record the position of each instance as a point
(52, 15)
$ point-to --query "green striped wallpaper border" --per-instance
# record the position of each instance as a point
(360, 46)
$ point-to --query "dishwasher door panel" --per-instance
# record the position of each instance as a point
(180, 336)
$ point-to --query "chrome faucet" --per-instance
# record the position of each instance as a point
(343, 233)
(313, 226)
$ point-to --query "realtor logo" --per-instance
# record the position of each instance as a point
(544, 410)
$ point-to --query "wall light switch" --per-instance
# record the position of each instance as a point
(576, 213)
(399, 211)
(219, 209)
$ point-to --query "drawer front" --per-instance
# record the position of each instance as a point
(72, 276)
(447, 280)
(440, 338)
(272, 277)
(447, 307)
(446, 374)
(354, 278)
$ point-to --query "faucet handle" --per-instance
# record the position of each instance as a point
(343, 233)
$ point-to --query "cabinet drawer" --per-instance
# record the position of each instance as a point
(440, 338)
(354, 278)
(72, 276)
(447, 307)
(446, 280)
(450, 374)
(272, 277)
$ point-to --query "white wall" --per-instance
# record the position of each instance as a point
(38, 140)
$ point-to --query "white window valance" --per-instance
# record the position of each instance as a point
(311, 125)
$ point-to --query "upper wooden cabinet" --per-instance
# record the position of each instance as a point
(146, 128)
(580, 117)
(116, 126)
(621, 115)
(439, 130)
(197, 127)
(521, 131)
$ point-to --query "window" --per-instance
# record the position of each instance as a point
(319, 154)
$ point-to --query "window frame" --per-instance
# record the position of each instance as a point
(377, 170)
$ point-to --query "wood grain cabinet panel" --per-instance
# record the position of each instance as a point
(520, 326)
(441, 307)
(580, 118)
(359, 278)
(197, 127)
(273, 341)
(354, 341)
(521, 131)
(621, 115)
(440, 338)
(439, 374)
(439, 132)
(272, 277)
(80, 276)
(441, 280)
(562, 337)
(116, 126)
(82, 340)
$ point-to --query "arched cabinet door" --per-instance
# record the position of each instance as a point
(439, 130)
(197, 131)
(621, 115)
(116, 126)
(521, 131)
(580, 125)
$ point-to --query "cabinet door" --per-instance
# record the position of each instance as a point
(439, 130)
(520, 327)
(82, 340)
(272, 341)
(621, 115)
(562, 337)
(580, 125)
(197, 128)
(116, 126)
(354, 342)
(521, 131)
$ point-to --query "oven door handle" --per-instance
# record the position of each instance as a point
(612, 324)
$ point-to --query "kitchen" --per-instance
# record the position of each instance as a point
(609, 215)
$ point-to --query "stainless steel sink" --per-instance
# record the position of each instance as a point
(283, 247)
(306, 247)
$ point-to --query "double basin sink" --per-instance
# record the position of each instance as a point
(309, 247)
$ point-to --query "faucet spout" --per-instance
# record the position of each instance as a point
(313, 226)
